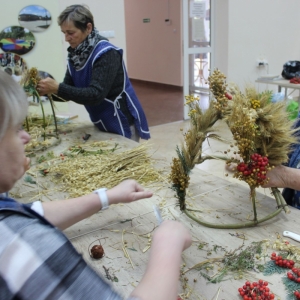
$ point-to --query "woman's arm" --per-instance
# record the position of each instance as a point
(160, 281)
(284, 177)
(104, 73)
(65, 213)
(280, 177)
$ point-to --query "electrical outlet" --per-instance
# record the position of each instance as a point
(261, 63)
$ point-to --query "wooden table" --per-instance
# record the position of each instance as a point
(132, 225)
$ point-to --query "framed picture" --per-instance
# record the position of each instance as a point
(13, 64)
(35, 18)
(16, 39)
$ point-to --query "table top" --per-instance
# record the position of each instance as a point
(125, 230)
(280, 82)
(219, 200)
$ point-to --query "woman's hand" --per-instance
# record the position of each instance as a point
(173, 232)
(47, 86)
(127, 191)
(163, 269)
(278, 177)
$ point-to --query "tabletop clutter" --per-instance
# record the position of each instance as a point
(238, 249)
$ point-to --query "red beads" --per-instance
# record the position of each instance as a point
(297, 294)
(294, 275)
(254, 172)
(256, 291)
(281, 262)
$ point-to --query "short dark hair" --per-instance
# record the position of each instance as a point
(78, 14)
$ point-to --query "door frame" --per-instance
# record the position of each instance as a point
(187, 51)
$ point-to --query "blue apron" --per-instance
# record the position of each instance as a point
(291, 196)
(107, 116)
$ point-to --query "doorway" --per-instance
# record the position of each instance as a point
(168, 54)
(197, 49)
(154, 57)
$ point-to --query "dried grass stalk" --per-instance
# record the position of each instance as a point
(83, 174)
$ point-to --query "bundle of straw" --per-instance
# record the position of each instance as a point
(82, 174)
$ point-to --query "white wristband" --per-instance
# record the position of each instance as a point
(103, 198)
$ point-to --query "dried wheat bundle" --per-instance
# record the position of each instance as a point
(201, 123)
(262, 132)
(38, 142)
(190, 152)
(82, 174)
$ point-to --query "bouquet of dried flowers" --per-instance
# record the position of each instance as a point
(29, 83)
(262, 134)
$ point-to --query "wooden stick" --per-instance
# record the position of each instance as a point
(125, 251)
(234, 226)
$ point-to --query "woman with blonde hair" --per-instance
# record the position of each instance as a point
(37, 261)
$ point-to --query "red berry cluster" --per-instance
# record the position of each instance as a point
(281, 262)
(297, 294)
(294, 275)
(256, 291)
(254, 173)
(295, 80)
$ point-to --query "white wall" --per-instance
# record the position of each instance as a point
(256, 28)
(46, 55)
(245, 30)
(49, 53)
(221, 35)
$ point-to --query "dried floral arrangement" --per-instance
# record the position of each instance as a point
(262, 134)
(37, 127)
(241, 262)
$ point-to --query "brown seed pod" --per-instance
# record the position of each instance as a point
(97, 252)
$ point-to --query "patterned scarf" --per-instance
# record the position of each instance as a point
(80, 54)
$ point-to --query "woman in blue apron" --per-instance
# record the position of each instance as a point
(37, 261)
(96, 77)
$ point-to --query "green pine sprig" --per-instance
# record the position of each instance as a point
(291, 287)
(271, 268)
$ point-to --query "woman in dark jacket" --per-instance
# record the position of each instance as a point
(97, 78)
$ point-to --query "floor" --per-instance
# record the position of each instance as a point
(162, 103)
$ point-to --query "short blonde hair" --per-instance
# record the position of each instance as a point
(13, 103)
